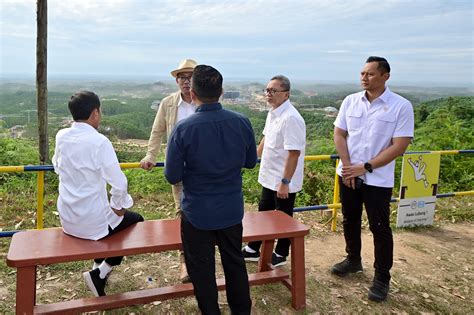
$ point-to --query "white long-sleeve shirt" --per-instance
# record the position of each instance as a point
(85, 161)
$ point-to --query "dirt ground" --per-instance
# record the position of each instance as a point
(432, 271)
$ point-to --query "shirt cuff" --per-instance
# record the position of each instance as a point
(121, 202)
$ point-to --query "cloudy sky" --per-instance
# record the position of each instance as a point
(426, 41)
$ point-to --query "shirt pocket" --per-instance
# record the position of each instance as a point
(354, 120)
(384, 124)
(273, 136)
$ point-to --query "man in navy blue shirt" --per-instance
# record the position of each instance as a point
(207, 152)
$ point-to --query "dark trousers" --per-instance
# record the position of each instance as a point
(377, 205)
(129, 218)
(270, 201)
(199, 254)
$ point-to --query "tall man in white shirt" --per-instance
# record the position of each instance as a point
(282, 151)
(86, 162)
(373, 128)
(172, 109)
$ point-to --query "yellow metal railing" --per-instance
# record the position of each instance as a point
(334, 206)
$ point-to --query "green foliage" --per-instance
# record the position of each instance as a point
(442, 124)
(447, 124)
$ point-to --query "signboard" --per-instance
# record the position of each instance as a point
(419, 184)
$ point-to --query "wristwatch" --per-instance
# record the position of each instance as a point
(368, 167)
(285, 181)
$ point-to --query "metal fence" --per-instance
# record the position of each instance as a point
(41, 169)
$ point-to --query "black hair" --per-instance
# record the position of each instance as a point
(82, 104)
(284, 81)
(207, 83)
(383, 65)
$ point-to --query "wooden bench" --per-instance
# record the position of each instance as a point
(29, 249)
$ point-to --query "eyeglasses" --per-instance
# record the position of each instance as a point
(185, 78)
(272, 91)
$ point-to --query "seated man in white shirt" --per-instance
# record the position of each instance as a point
(86, 162)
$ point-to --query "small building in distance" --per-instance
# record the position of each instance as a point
(232, 95)
(155, 105)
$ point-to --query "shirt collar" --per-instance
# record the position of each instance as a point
(280, 109)
(383, 97)
(208, 107)
(181, 101)
(83, 126)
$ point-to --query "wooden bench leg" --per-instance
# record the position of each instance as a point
(266, 255)
(25, 290)
(298, 280)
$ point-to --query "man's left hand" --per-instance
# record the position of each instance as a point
(352, 171)
(283, 191)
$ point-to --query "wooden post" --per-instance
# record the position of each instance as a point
(41, 78)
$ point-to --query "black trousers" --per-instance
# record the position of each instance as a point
(199, 254)
(129, 218)
(270, 201)
(377, 205)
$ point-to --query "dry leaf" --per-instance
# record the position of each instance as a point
(19, 224)
(138, 274)
(459, 296)
(52, 278)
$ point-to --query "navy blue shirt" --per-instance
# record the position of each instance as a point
(207, 152)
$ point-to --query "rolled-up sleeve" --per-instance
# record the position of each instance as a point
(113, 175)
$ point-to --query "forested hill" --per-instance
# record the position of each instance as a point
(445, 124)
(127, 116)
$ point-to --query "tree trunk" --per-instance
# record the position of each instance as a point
(41, 78)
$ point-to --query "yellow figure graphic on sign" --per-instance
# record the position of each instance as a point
(419, 170)
(420, 173)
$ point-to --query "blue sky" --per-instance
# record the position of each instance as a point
(426, 41)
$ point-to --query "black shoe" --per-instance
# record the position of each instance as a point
(94, 282)
(250, 256)
(346, 267)
(378, 291)
(278, 261)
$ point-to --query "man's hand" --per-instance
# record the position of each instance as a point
(283, 191)
(350, 172)
(119, 212)
(147, 165)
(353, 171)
(349, 182)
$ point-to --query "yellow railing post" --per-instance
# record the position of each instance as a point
(40, 200)
(335, 198)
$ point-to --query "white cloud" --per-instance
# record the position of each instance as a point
(241, 35)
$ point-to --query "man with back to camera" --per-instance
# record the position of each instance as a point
(207, 152)
(372, 129)
(281, 168)
(86, 162)
(172, 109)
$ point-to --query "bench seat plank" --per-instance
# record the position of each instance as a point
(43, 247)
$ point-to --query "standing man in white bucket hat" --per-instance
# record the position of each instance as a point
(172, 109)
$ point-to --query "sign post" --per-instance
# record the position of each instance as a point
(419, 185)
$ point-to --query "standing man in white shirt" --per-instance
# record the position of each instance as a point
(372, 129)
(86, 162)
(282, 150)
(172, 109)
